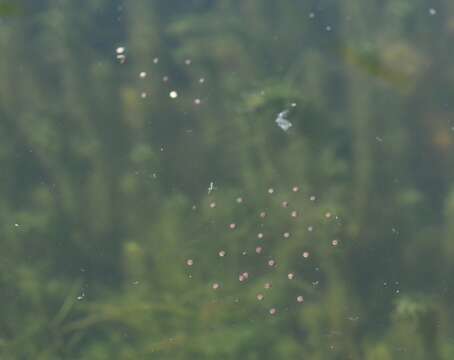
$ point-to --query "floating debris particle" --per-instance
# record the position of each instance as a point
(282, 121)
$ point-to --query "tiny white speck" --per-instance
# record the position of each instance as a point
(120, 50)
(143, 74)
(432, 11)
(16, 225)
(173, 94)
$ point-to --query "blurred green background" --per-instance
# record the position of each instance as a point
(104, 179)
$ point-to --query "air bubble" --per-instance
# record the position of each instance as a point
(189, 262)
(305, 254)
(232, 226)
(258, 249)
(335, 242)
(143, 75)
(173, 94)
(260, 297)
(273, 311)
(222, 253)
(215, 286)
(290, 276)
(300, 299)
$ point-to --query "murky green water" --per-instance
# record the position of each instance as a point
(226, 180)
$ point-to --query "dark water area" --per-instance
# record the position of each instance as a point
(226, 180)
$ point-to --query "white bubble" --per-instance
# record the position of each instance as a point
(273, 311)
(432, 11)
(143, 74)
(120, 50)
(201, 80)
(188, 61)
(222, 253)
(189, 262)
(143, 95)
(173, 94)
(300, 298)
(155, 60)
(215, 286)
(197, 101)
(291, 276)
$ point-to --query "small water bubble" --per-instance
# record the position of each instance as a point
(267, 286)
(286, 235)
(222, 253)
(188, 62)
(239, 200)
(136, 282)
(328, 28)
(81, 296)
(312, 198)
(260, 235)
(260, 297)
(155, 60)
(165, 78)
(311, 15)
(16, 225)
(244, 253)
(201, 80)
(258, 249)
(173, 94)
(310, 228)
(305, 254)
(262, 214)
(212, 205)
(270, 191)
(232, 226)
(328, 215)
(273, 311)
(143, 95)
(295, 189)
(271, 263)
(143, 75)
(284, 204)
(215, 286)
(197, 101)
(294, 214)
(335, 242)
(189, 262)
(432, 11)
(290, 276)
(300, 298)
(120, 50)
